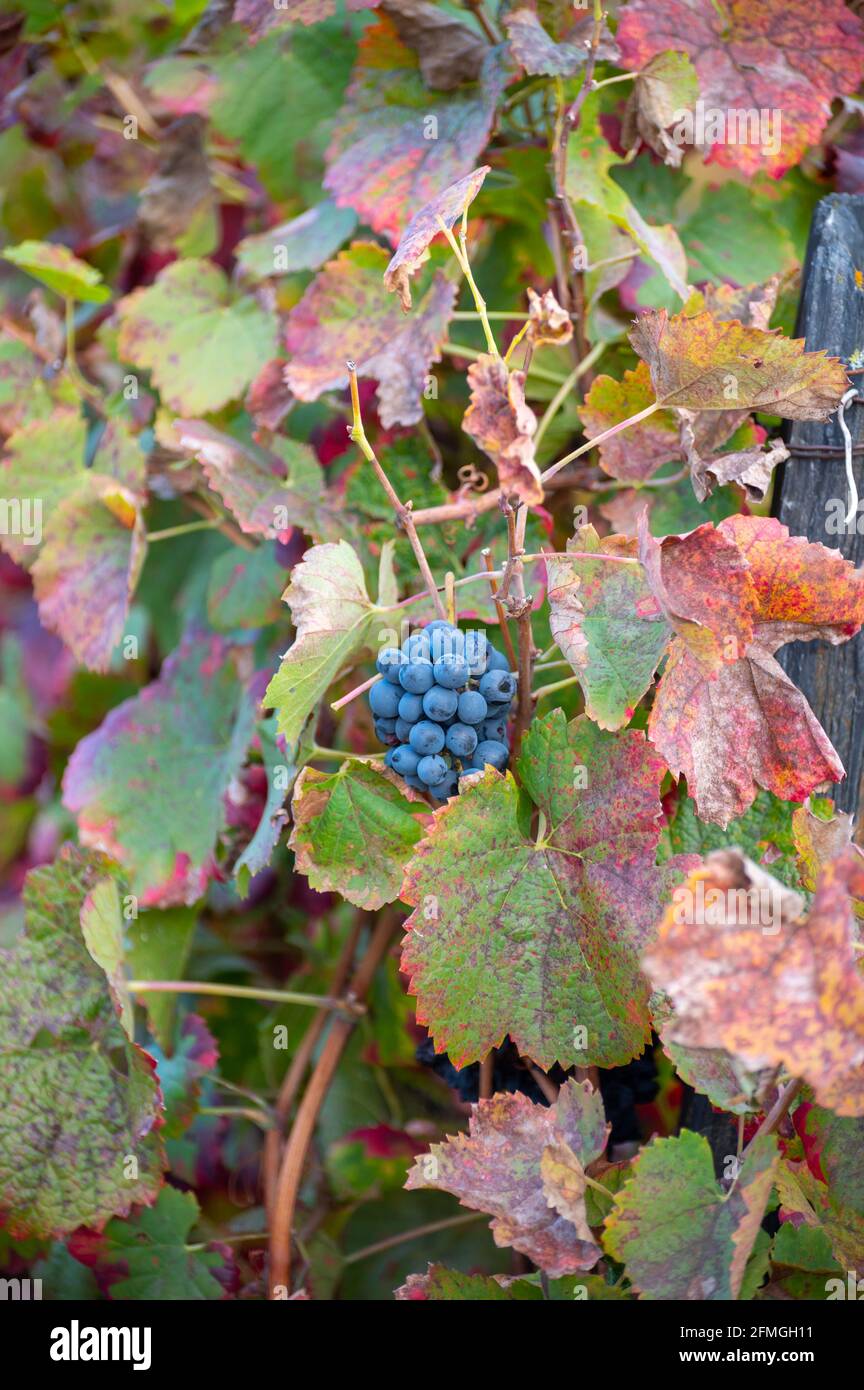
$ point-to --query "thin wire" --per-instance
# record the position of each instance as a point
(851, 395)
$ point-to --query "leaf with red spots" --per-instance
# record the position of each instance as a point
(703, 363)
(784, 59)
(539, 936)
(524, 1164)
(501, 422)
(347, 313)
(88, 568)
(354, 829)
(678, 1234)
(79, 1096)
(747, 972)
(425, 225)
(396, 146)
(148, 785)
(742, 724)
(269, 491)
(637, 452)
(150, 1256)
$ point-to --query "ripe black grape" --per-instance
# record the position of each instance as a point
(417, 677)
(426, 737)
(432, 770)
(440, 704)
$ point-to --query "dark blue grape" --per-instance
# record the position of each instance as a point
(476, 652)
(384, 700)
(440, 704)
(414, 781)
(417, 647)
(403, 760)
(471, 707)
(426, 738)
(497, 686)
(402, 730)
(388, 663)
(461, 740)
(444, 790)
(451, 671)
(432, 770)
(385, 731)
(417, 677)
(495, 660)
(495, 729)
(490, 751)
(410, 708)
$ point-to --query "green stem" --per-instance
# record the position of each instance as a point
(609, 81)
(238, 1112)
(183, 530)
(598, 439)
(461, 255)
(271, 996)
(457, 350)
(471, 315)
(565, 388)
(415, 1234)
(556, 685)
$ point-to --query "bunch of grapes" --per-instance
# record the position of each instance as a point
(442, 707)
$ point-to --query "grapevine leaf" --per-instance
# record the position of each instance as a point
(334, 620)
(818, 840)
(548, 321)
(510, 1165)
(501, 422)
(665, 87)
(55, 266)
(88, 568)
(346, 313)
(747, 725)
(703, 363)
(637, 452)
(148, 785)
(561, 48)
(354, 829)
(260, 16)
(304, 243)
(181, 1073)
(605, 621)
(268, 490)
(771, 987)
(777, 56)
(150, 1250)
(244, 589)
(200, 343)
(424, 226)
(541, 938)
(157, 948)
(442, 1285)
(80, 1096)
(678, 1234)
(381, 160)
(101, 922)
(824, 1211)
(449, 53)
(44, 461)
(281, 770)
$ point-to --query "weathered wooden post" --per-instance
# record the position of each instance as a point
(811, 495)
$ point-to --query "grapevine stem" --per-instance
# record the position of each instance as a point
(403, 512)
(471, 315)
(499, 608)
(184, 530)
(358, 690)
(565, 388)
(466, 579)
(274, 996)
(779, 1109)
(460, 251)
(243, 1112)
(556, 685)
(458, 350)
(428, 1230)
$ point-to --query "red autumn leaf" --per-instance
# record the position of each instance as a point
(346, 313)
(785, 59)
(525, 1165)
(396, 146)
(746, 725)
(424, 226)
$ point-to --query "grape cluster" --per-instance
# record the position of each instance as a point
(442, 707)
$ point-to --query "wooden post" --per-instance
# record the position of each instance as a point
(810, 497)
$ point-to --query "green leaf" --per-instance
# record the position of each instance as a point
(201, 343)
(157, 948)
(334, 620)
(304, 243)
(78, 1128)
(152, 1246)
(281, 771)
(42, 461)
(441, 1285)
(245, 589)
(354, 830)
(540, 937)
(764, 833)
(150, 781)
(55, 266)
(605, 622)
(675, 1230)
